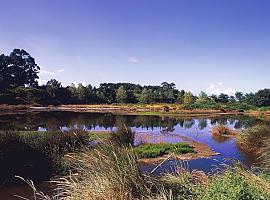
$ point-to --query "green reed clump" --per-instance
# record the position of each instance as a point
(108, 172)
(123, 135)
(161, 149)
(255, 142)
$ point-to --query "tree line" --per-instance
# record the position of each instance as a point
(18, 85)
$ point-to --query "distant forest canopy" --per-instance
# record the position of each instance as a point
(18, 85)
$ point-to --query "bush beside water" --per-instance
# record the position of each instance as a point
(256, 142)
(222, 130)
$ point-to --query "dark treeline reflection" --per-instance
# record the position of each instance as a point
(89, 121)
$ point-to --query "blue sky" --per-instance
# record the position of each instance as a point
(211, 45)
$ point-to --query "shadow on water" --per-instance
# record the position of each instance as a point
(26, 162)
(36, 155)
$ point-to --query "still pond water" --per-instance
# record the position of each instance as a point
(161, 129)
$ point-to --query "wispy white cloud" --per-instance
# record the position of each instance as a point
(218, 88)
(77, 83)
(45, 72)
(132, 60)
(51, 73)
(60, 70)
(42, 81)
(45, 75)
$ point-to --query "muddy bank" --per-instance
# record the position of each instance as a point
(201, 151)
(135, 109)
(26, 192)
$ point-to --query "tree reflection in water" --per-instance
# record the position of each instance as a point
(90, 121)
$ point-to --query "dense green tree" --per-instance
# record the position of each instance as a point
(203, 97)
(53, 83)
(23, 68)
(121, 95)
(81, 92)
(5, 75)
(107, 92)
(262, 98)
(180, 97)
(214, 98)
(249, 98)
(168, 90)
(232, 99)
(239, 96)
(52, 86)
(18, 69)
(188, 98)
(145, 96)
(223, 98)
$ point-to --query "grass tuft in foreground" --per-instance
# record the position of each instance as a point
(161, 149)
(108, 172)
(123, 135)
(256, 142)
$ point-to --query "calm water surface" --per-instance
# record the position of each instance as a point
(151, 128)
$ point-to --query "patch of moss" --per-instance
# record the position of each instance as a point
(160, 149)
(98, 135)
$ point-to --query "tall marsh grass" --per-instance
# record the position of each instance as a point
(255, 142)
(108, 172)
(123, 135)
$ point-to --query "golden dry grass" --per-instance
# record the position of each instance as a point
(222, 130)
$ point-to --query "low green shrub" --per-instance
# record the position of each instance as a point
(160, 149)
(236, 184)
(99, 135)
(239, 106)
(203, 106)
(264, 108)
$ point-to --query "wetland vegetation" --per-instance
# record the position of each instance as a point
(113, 172)
(87, 157)
(92, 158)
